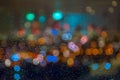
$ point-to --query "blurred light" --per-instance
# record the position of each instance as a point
(35, 31)
(114, 3)
(107, 66)
(84, 39)
(21, 33)
(17, 68)
(66, 27)
(109, 51)
(63, 47)
(73, 46)
(43, 63)
(56, 52)
(67, 36)
(35, 25)
(48, 40)
(41, 41)
(66, 53)
(48, 31)
(94, 66)
(27, 24)
(50, 58)
(54, 32)
(15, 57)
(100, 50)
(56, 25)
(40, 57)
(17, 76)
(30, 16)
(101, 43)
(57, 15)
(36, 61)
(104, 34)
(70, 61)
(31, 37)
(43, 53)
(111, 9)
(95, 51)
(42, 19)
(54, 59)
(89, 9)
(7, 62)
(88, 52)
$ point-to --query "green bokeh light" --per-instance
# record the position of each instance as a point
(30, 16)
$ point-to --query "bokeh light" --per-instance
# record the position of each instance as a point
(66, 27)
(83, 39)
(95, 51)
(15, 57)
(114, 3)
(53, 59)
(21, 33)
(107, 66)
(30, 37)
(70, 61)
(17, 68)
(7, 62)
(89, 9)
(43, 53)
(73, 46)
(43, 63)
(66, 36)
(57, 15)
(42, 19)
(40, 57)
(109, 51)
(36, 61)
(30, 16)
(88, 51)
(101, 43)
(111, 9)
(27, 24)
(54, 32)
(66, 53)
(95, 66)
(41, 40)
(17, 76)
(56, 52)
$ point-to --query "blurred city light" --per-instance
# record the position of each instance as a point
(30, 16)
(17, 68)
(15, 57)
(57, 15)
(42, 19)
(66, 36)
(17, 76)
(94, 66)
(7, 62)
(107, 66)
(53, 59)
